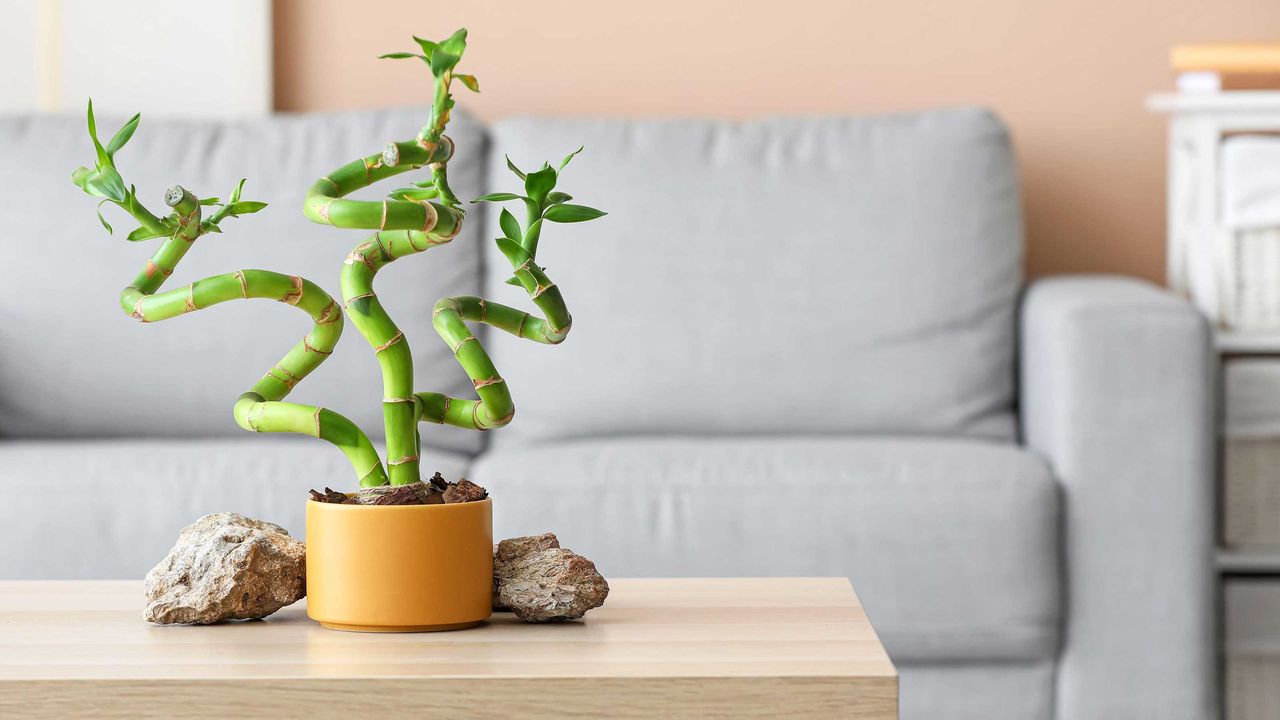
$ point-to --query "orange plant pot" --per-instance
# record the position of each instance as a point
(399, 568)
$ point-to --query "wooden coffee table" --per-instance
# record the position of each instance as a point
(693, 648)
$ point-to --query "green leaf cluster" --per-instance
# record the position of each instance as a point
(442, 57)
(234, 207)
(543, 203)
(420, 192)
(104, 181)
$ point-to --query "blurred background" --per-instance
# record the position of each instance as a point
(1038, 484)
(1068, 76)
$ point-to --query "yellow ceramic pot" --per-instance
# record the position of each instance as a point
(399, 568)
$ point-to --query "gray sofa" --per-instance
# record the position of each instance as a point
(801, 347)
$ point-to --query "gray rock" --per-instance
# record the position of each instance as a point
(540, 581)
(226, 566)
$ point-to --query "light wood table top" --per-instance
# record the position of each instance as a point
(696, 648)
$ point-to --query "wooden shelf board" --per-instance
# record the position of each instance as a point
(1230, 101)
(1248, 562)
(1247, 343)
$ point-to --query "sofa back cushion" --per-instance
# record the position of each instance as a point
(845, 275)
(73, 365)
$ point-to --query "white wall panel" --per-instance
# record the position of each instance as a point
(20, 55)
(160, 57)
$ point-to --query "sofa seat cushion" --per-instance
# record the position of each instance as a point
(72, 365)
(952, 545)
(112, 509)
(859, 275)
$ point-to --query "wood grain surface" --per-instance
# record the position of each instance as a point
(681, 648)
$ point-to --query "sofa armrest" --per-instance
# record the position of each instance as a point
(1117, 394)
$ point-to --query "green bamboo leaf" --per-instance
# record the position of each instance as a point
(510, 227)
(515, 254)
(414, 194)
(210, 227)
(532, 208)
(103, 220)
(133, 206)
(442, 62)
(122, 135)
(80, 176)
(245, 207)
(531, 236)
(470, 81)
(235, 194)
(512, 167)
(427, 46)
(103, 158)
(456, 43)
(538, 184)
(555, 198)
(106, 182)
(400, 56)
(515, 281)
(142, 233)
(210, 201)
(569, 157)
(497, 197)
(572, 213)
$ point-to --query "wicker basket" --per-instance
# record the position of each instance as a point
(1251, 492)
(1251, 453)
(1252, 608)
(1252, 299)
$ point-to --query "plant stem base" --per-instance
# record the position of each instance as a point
(400, 628)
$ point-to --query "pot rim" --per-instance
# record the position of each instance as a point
(439, 507)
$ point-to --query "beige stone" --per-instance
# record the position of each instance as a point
(540, 581)
(226, 566)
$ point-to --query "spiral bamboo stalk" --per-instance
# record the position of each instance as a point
(260, 409)
(406, 227)
(411, 221)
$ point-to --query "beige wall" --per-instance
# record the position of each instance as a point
(1069, 76)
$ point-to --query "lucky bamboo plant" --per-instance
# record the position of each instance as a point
(410, 221)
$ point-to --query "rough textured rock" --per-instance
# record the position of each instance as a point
(226, 566)
(464, 491)
(540, 581)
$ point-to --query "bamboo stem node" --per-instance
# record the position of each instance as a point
(463, 341)
(294, 295)
(394, 339)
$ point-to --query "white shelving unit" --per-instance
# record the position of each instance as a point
(1246, 343)
(1202, 255)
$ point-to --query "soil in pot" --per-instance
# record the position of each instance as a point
(437, 491)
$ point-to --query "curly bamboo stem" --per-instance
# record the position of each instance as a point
(406, 224)
(260, 409)
(420, 225)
